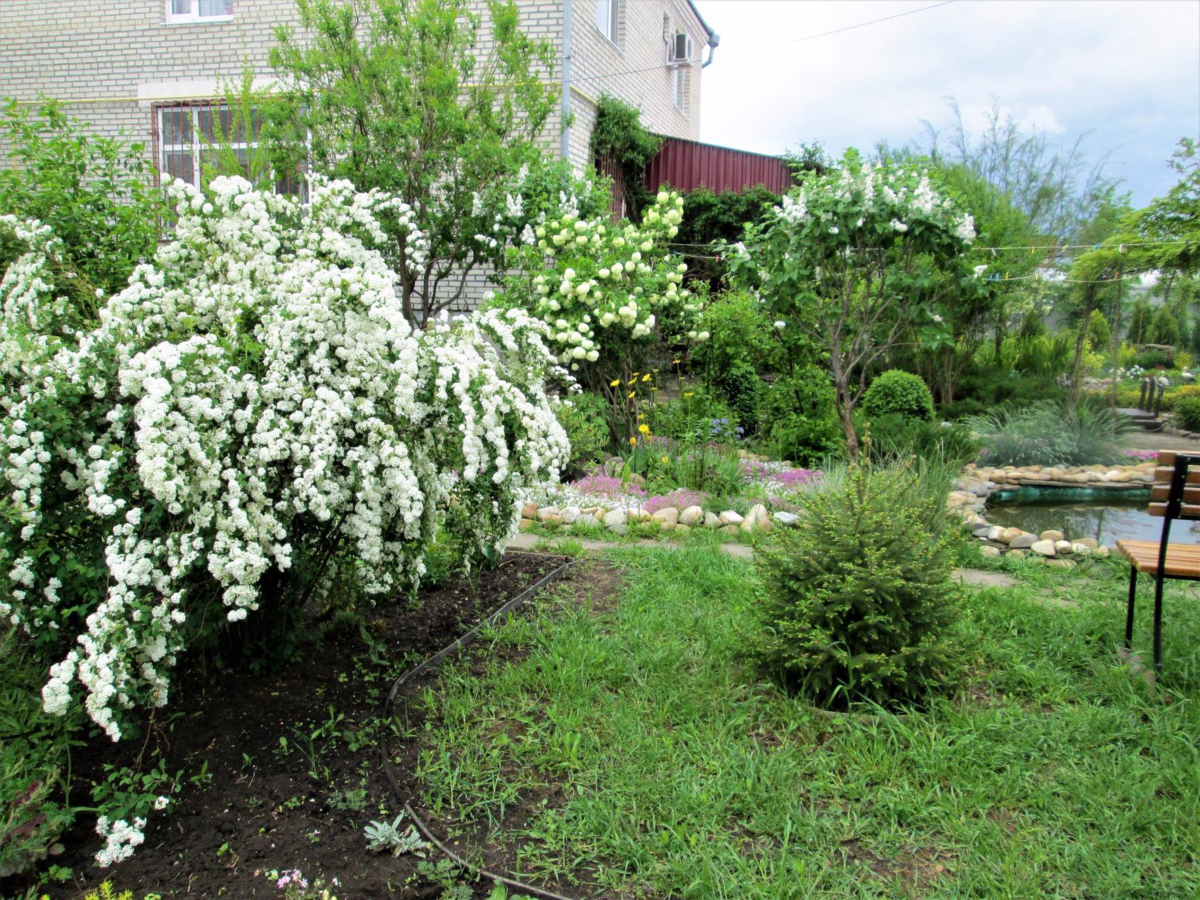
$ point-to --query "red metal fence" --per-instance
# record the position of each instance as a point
(687, 165)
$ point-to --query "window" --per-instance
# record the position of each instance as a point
(185, 11)
(608, 16)
(192, 135)
(682, 81)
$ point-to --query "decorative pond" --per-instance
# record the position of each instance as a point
(1084, 513)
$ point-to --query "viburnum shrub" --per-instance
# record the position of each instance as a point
(858, 602)
(251, 423)
(897, 392)
(607, 292)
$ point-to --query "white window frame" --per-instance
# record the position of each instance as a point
(193, 17)
(680, 87)
(608, 20)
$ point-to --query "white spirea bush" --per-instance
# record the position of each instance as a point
(254, 403)
(601, 287)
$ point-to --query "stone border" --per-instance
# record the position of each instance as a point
(586, 520)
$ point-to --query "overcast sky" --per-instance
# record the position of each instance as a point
(1127, 71)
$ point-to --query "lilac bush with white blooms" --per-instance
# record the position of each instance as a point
(251, 423)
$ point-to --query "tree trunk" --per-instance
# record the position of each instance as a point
(1089, 300)
(846, 414)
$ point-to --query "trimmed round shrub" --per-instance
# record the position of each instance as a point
(858, 602)
(896, 392)
(1187, 413)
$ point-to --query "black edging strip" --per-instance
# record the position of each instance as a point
(433, 662)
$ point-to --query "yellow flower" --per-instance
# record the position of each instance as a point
(633, 442)
(646, 377)
(674, 362)
(632, 394)
(632, 380)
(644, 429)
(615, 382)
(687, 393)
(666, 459)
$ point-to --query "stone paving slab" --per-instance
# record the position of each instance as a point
(980, 578)
(527, 541)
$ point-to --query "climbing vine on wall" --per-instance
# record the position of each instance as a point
(619, 135)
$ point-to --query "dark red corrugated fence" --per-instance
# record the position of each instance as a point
(687, 165)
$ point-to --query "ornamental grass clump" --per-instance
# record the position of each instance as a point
(251, 424)
(857, 604)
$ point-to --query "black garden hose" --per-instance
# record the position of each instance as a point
(433, 662)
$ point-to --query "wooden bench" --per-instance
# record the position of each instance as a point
(1175, 495)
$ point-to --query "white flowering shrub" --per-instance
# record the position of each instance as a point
(608, 292)
(250, 421)
(853, 258)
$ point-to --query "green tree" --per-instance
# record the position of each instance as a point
(95, 193)
(852, 258)
(420, 99)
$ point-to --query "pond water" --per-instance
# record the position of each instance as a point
(1106, 520)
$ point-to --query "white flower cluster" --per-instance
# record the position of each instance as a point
(594, 283)
(121, 839)
(847, 199)
(260, 376)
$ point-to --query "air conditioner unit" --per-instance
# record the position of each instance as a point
(682, 48)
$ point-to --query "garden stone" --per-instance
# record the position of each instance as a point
(666, 526)
(1011, 533)
(1053, 536)
(786, 518)
(1063, 548)
(614, 520)
(1044, 548)
(1060, 563)
(1016, 554)
(731, 530)
(546, 512)
(1090, 543)
(756, 518)
(587, 524)
(570, 514)
(729, 517)
(552, 520)
(996, 533)
(979, 531)
(618, 529)
(989, 552)
(1101, 552)
(529, 511)
(668, 516)
(1078, 549)
(712, 520)
(1022, 541)
(682, 529)
(524, 524)
(693, 515)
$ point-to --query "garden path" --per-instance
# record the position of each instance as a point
(1147, 440)
(526, 541)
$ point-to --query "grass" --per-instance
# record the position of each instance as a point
(1052, 772)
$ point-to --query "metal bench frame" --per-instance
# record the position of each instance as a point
(1174, 510)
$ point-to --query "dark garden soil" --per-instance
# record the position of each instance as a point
(254, 805)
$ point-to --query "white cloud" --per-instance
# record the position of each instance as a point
(1126, 74)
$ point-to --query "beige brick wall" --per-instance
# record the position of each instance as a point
(99, 56)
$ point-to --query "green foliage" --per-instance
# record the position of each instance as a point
(95, 193)
(1139, 321)
(858, 603)
(1154, 359)
(800, 421)
(694, 411)
(1045, 355)
(584, 417)
(397, 95)
(744, 391)
(1051, 434)
(1099, 335)
(722, 218)
(740, 333)
(1164, 328)
(618, 134)
(1187, 413)
(896, 392)
(33, 752)
(899, 437)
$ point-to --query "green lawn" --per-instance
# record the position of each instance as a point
(1050, 772)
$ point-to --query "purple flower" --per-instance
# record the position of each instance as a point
(598, 484)
(794, 478)
(681, 499)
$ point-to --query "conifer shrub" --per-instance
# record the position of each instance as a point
(858, 603)
(896, 392)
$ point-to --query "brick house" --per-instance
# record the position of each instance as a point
(137, 65)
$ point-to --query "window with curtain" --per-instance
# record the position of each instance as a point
(198, 10)
(608, 16)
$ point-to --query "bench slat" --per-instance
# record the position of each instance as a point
(1187, 511)
(1183, 560)
(1162, 492)
(1163, 475)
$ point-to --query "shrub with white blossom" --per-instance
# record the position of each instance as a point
(251, 423)
(608, 292)
(851, 257)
